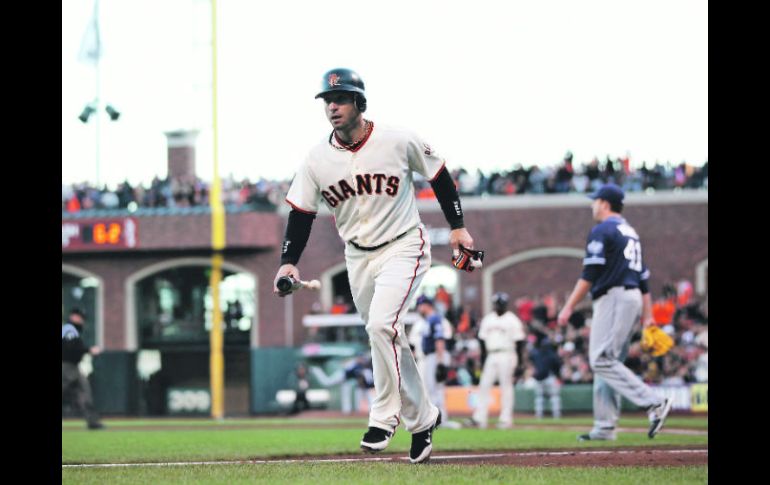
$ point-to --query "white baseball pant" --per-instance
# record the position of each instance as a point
(383, 283)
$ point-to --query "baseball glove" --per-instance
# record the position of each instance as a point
(441, 372)
(656, 341)
(467, 259)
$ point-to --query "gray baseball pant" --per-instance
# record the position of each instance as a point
(615, 314)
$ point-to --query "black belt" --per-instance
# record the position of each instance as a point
(374, 248)
(602, 293)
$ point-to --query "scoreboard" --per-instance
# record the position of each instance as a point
(99, 234)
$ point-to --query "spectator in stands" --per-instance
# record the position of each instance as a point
(443, 300)
(340, 306)
(191, 191)
(537, 180)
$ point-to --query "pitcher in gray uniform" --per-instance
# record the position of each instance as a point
(615, 274)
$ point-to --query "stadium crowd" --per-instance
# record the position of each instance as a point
(563, 178)
(676, 311)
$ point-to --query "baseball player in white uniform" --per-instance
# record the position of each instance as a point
(363, 173)
(503, 336)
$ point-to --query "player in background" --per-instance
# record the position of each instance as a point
(503, 335)
(429, 336)
(615, 274)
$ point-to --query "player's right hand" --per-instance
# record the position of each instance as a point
(285, 270)
(458, 237)
(648, 322)
(564, 315)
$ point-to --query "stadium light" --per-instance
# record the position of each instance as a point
(90, 109)
(86, 113)
(112, 112)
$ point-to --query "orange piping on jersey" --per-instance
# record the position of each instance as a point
(437, 173)
(393, 341)
(359, 145)
(299, 209)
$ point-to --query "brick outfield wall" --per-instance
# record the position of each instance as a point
(674, 239)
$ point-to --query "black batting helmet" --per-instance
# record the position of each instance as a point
(343, 79)
(500, 298)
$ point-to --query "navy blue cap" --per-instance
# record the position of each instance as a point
(609, 192)
(424, 299)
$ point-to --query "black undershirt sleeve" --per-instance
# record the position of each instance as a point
(297, 234)
(644, 287)
(448, 198)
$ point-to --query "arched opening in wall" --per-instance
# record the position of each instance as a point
(342, 298)
(80, 291)
(174, 314)
(536, 278)
(440, 279)
(175, 306)
(442, 284)
(537, 274)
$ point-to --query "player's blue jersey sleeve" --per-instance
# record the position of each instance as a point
(595, 258)
(595, 247)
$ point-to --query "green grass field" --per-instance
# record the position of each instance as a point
(379, 473)
(188, 440)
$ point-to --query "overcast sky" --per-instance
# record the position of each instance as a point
(489, 83)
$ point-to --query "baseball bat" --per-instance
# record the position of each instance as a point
(287, 284)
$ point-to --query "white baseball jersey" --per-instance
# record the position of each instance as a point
(369, 190)
(499, 332)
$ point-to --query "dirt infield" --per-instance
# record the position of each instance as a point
(658, 457)
(651, 456)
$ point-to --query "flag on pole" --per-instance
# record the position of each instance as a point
(91, 45)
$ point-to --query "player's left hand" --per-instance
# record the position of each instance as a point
(464, 257)
(467, 259)
(458, 237)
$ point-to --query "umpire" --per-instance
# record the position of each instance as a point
(74, 385)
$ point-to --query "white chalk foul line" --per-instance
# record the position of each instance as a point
(349, 460)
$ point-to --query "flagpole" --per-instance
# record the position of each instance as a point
(216, 344)
(97, 101)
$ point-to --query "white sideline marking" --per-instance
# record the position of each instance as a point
(390, 458)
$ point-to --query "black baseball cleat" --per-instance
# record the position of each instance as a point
(376, 439)
(658, 416)
(422, 443)
(95, 426)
